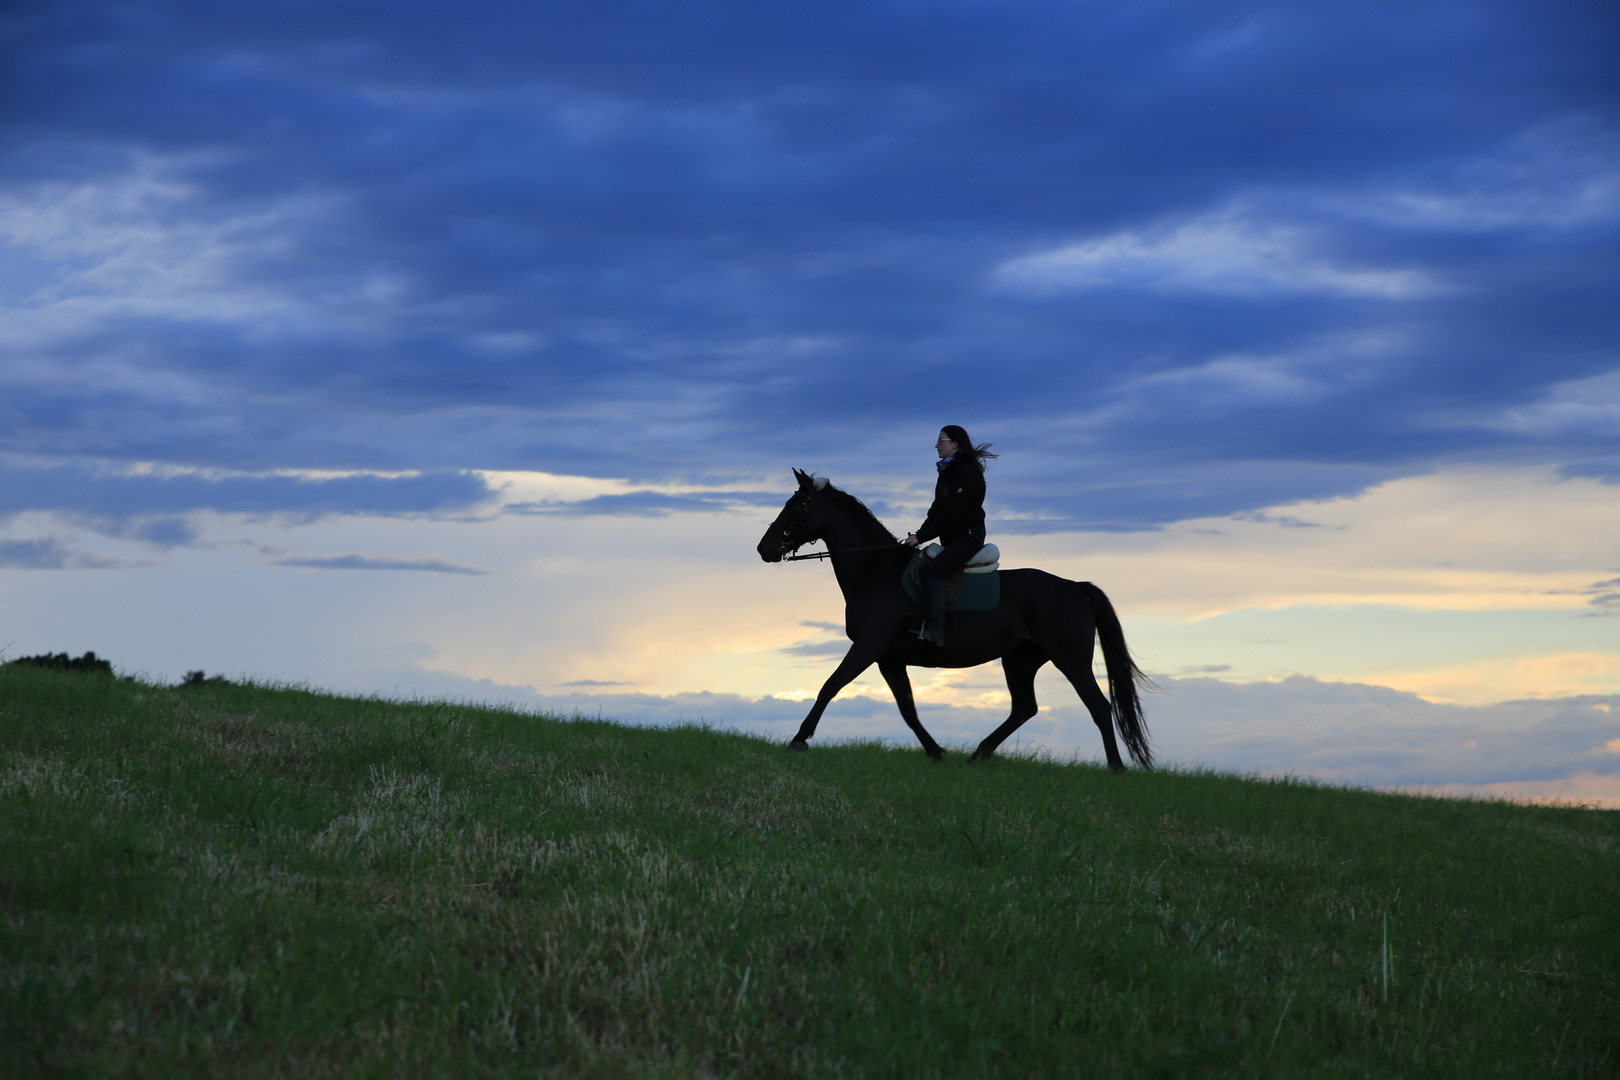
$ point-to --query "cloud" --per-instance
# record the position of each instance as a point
(1463, 539)
(1555, 674)
(1559, 174)
(374, 562)
(1249, 254)
(1287, 521)
(1377, 736)
(648, 504)
(49, 555)
(1221, 254)
(150, 505)
(816, 648)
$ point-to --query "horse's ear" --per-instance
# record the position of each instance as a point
(821, 482)
(803, 478)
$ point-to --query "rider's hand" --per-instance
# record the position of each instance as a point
(911, 540)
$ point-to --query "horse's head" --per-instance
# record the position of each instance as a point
(796, 525)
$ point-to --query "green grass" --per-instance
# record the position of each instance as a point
(250, 881)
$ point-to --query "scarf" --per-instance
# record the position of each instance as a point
(944, 463)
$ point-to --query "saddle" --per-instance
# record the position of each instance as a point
(987, 561)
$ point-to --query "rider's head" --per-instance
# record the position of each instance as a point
(964, 448)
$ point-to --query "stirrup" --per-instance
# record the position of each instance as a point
(932, 636)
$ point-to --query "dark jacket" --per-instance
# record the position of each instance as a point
(958, 508)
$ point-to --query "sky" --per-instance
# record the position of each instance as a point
(465, 350)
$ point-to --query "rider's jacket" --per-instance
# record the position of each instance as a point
(958, 508)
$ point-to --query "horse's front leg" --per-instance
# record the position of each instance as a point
(894, 673)
(857, 660)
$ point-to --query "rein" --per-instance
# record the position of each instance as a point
(830, 554)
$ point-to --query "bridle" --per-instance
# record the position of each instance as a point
(844, 551)
(804, 512)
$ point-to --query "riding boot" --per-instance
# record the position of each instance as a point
(933, 629)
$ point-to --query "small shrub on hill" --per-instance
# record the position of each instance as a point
(200, 678)
(63, 662)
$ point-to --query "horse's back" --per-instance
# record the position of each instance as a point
(1042, 599)
(1030, 580)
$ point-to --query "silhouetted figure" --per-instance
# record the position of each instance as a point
(956, 517)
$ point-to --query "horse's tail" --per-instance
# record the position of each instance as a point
(1123, 677)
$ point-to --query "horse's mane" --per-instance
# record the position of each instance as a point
(857, 508)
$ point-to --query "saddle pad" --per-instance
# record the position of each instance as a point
(980, 592)
(987, 561)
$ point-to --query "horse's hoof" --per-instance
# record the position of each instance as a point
(798, 744)
(937, 753)
(980, 755)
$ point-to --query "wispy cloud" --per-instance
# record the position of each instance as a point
(1287, 521)
(1224, 253)
(648, 504)
(816, 648)
(373, 562)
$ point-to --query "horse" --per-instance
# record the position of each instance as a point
(1042, 618)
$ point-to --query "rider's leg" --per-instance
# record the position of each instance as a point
(951, 558)
(933, 627)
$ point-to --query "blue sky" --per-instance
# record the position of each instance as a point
(275, 279)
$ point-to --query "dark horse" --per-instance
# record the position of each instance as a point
(1042, 617)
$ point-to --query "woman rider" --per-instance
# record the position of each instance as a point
(957, 518)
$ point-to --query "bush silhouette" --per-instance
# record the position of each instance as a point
(62, 662)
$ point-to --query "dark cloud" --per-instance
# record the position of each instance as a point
(1602, 594)
(49, 555)
(1287, 521)
(1177, 259)
(152, 507)
(816, 648)
(374, 562)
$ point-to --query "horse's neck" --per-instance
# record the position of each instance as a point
(852, 529)
(855, 571)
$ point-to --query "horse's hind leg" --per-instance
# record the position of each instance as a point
(1096, 702)
(894, 673)
(1020, 667)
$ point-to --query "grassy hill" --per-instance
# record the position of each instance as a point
(241, 880)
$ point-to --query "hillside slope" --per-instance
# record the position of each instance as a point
(242, 880)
